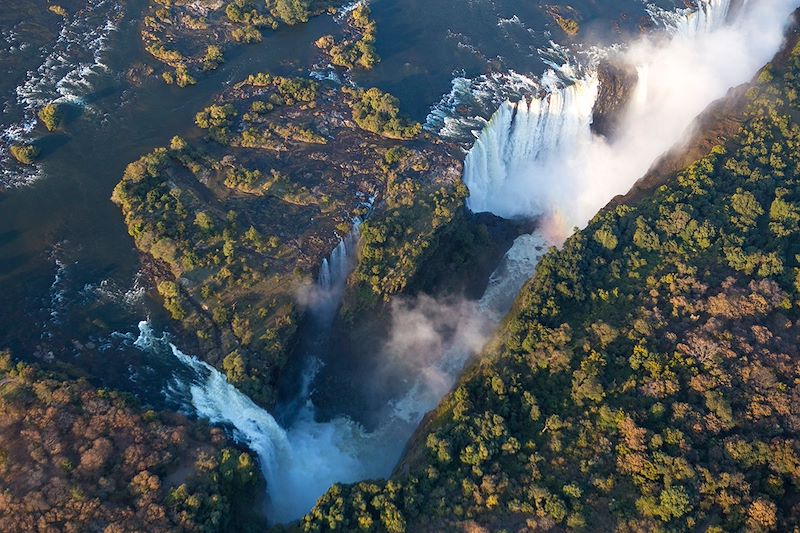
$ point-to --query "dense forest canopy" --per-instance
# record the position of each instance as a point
(647, 377)
(77, 458)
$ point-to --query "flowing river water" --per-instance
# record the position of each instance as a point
(70, 275)
(72, 288)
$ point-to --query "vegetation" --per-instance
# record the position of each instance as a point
(238, 222)
(182, 77)
(358, 49)
(76, 458)
(378, 112)
(26, 154)
(291, 12)
(50, 116)
(212, 256)
(567, 25)
(213, 57)
(191, 39)
(646, 379)
(246, 34)
(394, 246)
(58, 10)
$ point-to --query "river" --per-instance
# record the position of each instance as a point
(72, 285)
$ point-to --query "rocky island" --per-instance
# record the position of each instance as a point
(238, 220)
(191, 37)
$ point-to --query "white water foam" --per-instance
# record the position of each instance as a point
(539, 156)
(326, 295)
(302, 461)
(462, 113)
(343, 12)
(65, 75)
(523, 133)
(78, 54)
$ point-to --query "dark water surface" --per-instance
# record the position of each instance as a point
(69, 275)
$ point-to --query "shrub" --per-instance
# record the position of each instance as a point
(378, 112)
(50, 116)
(58, 10)
(213, 58)
(24, 153)
(291, 12)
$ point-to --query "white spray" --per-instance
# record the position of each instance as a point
(299, 463)
(540, 158)
(302, 461)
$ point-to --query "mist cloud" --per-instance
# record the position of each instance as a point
(541, 158)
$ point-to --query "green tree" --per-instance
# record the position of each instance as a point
(24, 153)
(50, 115)
(291, 12)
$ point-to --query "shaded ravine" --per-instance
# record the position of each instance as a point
(302, 459)
(293, 458)
(289, 455)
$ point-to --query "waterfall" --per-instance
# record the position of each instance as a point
(538, 156)
(531, 130)
(462, 113)
(333, 273)
(476, 322)
(300, 462)
(709, 16)
(511, 274)
(335, 269)
(706, 17)
(533, 156)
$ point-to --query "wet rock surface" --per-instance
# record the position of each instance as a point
(617, 84)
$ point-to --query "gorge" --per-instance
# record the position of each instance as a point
(564, 297)
(535, 158)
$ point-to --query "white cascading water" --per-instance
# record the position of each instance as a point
(302, 461)
(541, 158)
(299, 463)
(460, 115)
(525, 132)
(708, 16)
(334, 270)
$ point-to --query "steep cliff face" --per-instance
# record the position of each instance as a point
(617, 82)
(454, 265)
(237, 221)
(646, 379)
